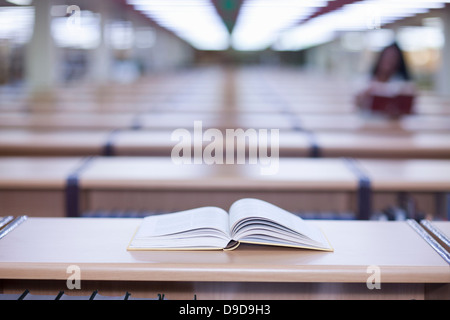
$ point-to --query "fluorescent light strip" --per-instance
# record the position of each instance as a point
(16, 23)
(20, 2)
(359, 16)
(260, 21)
(195, 21)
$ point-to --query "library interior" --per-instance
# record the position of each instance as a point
(330, 115)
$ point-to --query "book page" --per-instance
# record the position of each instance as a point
(257, 209)
(187, 228)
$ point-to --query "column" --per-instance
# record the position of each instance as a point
(40, 59)
(443, 76)
(101, 60)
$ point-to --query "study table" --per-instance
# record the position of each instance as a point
(157, 184)
(427, 183)
(133, 183)
(224, 120)
(290, 143)
(36, 255)
(362, 123)
(76, 185)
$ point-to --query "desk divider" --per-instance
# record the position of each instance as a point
(72, 191)
(136, 122)
(447, 204)
(364, 190)
(314, 145)
(108, 149)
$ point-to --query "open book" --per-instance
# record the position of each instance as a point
(249, 221)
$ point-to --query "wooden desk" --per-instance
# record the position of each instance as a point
(36, 255)
(123, 143)
(157, 183)
(111, 121)
(35, 187)
(426, 181)
(182, 120)
(53, 143)
(159, 143)
(64, 121)
(359, 123)
(222, 121)
(387, 146)
(38, 186)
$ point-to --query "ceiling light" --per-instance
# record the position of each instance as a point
(20, 2)
(195, 21)
(16, 23)
(260, 21)
(358, 16)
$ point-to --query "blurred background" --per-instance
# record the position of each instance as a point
(115, 78)
(55, 42)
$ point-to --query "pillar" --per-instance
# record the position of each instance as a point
(443, 76)
(101, 59)
(40, 59)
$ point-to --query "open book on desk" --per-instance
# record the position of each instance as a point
(248, 221)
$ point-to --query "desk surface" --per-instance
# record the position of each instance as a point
(160, 143)
(64, 121)
(408, 175)
(365, 144)
(174, 120)
(326, 174)
(162, 173)
(444, 227)
(44, 248)
(356, 122)
(41, 173)
(59, 143)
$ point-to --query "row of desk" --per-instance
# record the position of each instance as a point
(352, 123)
(161, 143)
(401, 258)
(256, 91)
(63, 186)
(106, 152)
(252, 100)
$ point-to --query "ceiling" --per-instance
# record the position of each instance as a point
(228, 10)
(252, 25)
